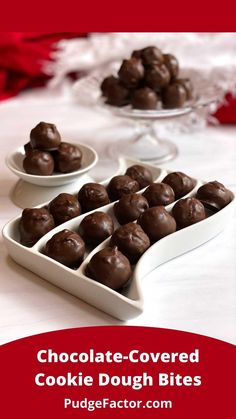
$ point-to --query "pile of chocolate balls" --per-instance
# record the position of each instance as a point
(148, 80)
(45, 153)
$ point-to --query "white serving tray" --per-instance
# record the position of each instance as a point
(129, 304)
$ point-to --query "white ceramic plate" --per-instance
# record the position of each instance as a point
(129, 303)
(15, 159)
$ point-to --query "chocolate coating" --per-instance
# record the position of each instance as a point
(140, 173)
(121, 185)
(38, 162)
(66, 247)
(131, 72)
(64, 207)
(172, 64)
(116, 93)
(45, 136)
(159, 194)
(106, 83)
(28, 148)
(67, 158)
(131, 241)
(157, 76)
(188, 211)
(96, 227)
(129, 208)
(144, 98)
(180, 183)
(174, 96)
(92, 196)
(187, 84)
(151, 55)
(34, 224)
(109, 267)
(157, 223)
(214, 195)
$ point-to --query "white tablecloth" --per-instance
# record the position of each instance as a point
(195, 292)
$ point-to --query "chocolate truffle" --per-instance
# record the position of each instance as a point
(172, 64)
(129, 208)
(121, 185)
(157, 223)
(131, 72)
(109, 267)
(38, 162)
(96, 227)
(214, 195)
(159, 194)
(140, 173)
(188, 211)
(131, 241)
(34, 224)
(174, 96)
(45, 136)
(116, 93)
(157, 76)
(187, 84)
(106, 83)
(66, 247)
(92, 196)
(67, 158)
(180, 183)
(144, 98)
(64, 207)
(151, 55)
(28, 148)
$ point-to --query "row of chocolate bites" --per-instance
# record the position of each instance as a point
(45, 153)
(112, 265)
(148, 80)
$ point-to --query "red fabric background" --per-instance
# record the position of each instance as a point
(22, 55)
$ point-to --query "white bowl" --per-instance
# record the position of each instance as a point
(14, 162)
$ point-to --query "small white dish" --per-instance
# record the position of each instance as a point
(14, 162)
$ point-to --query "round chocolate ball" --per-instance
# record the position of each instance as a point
(181, 183)
(121, 185)
(157, 223)
(28, 148)
(107, 83)
(140, 173)
(144, 98)
(67, 158)
(214, 195)
(96, 227)
(64, 207)
(159, 194)
(129, 208)
(172, 64)
(45, 136)
(116, 93)
(38, 162)
(151, 55)
(66, 247)
(157, 76)
(187, 84)
(188, 211)
(174, 96)
(34, 224)
(131, 72)
(92, 196)
(109, 267)
(131, 241)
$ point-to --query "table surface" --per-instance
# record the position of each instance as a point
(195, 292)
